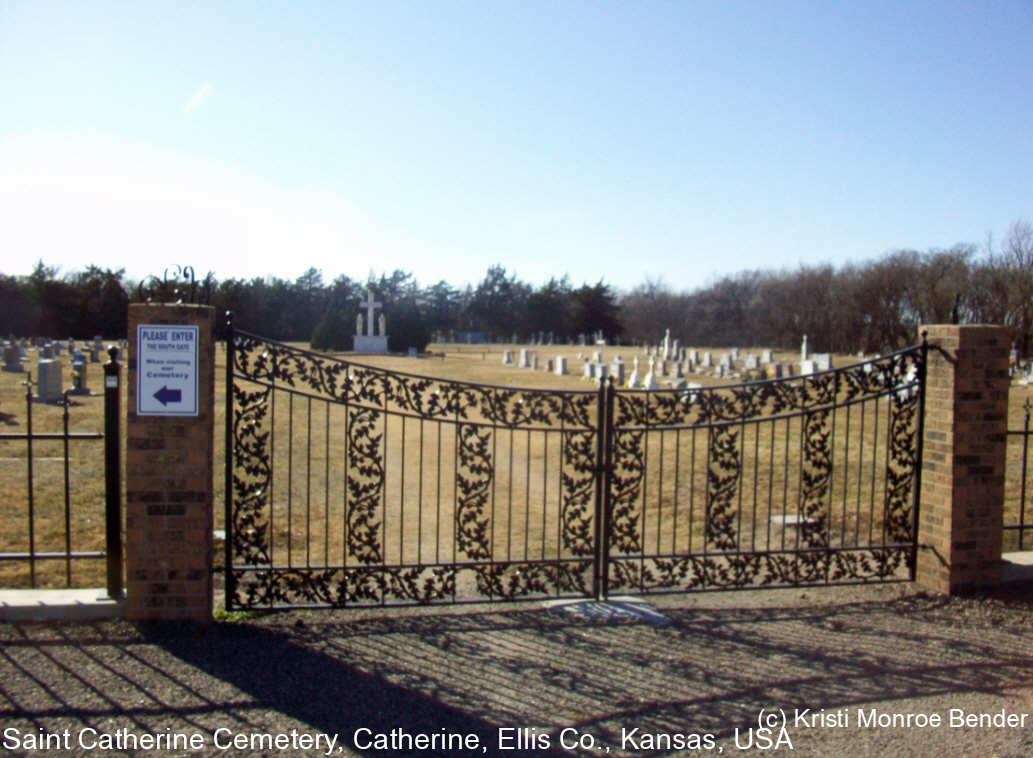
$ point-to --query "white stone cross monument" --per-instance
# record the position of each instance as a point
(370, 342)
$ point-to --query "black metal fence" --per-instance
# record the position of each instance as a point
(1016, 532)
(113, 538)
(353, 485)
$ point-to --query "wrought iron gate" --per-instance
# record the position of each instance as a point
(353, 485)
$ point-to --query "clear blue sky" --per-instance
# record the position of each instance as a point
(614, 140)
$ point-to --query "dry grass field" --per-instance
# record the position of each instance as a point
(419, 497)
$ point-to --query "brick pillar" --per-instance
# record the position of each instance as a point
(962, 497)
(169, 475)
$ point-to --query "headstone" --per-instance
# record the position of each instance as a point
(581, 340)
(79, 383)
(599, 373)
(765, 356)
(525, 358)
(597, 356)
(507, 357)
(588, 370)
(722, 369)
(694, 356)
(776, 370)
(548, 365)
(804, 355)
(561, 365)
(370, 342)
(48, 380)
(734, 353)
(661, 367)
(667, 344)
(48, 351)
(751, 362)
(807, 367)
(726, 361)
(617, 370)
(708, 360)
(649, 382)
(12, 360)
(633, 377)
(534, 361)
(679, 372)
(822, 361)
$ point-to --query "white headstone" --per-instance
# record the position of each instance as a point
(649, 381)
(633, 376)
(369, 342)
(525, 358)
(561, 365)
(765, 356)
(822, 361)
(807, 367)
(48, 380)
(617, 370)
(708, 360)
(803, 349)
(507, 357)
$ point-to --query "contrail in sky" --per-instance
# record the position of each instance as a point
(198, 98)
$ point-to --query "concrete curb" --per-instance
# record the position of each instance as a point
(58, 605)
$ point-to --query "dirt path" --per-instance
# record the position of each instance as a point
(543, 677)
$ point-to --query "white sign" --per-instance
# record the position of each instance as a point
(166, 370)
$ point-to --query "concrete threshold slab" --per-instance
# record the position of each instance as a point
(624, 608)
(1017, 567)
(58, 605)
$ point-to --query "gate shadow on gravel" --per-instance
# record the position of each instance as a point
(706, 671)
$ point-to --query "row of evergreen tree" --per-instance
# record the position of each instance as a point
(872, 306)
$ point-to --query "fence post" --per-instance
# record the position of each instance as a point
(113, 474)
(169, 462)
(963, 455)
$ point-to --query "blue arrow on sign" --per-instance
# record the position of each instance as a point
(166, 396)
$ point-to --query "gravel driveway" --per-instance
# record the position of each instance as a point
(527, 680)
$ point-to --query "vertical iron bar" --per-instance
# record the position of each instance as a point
(919, 451)
(290, 479)
(68, 494)
(419, 501)
(326, 484)
(112, 474)
(227, 543)
(659, 499)
(610, 395)
(28, 459)
(1025, 457)
(308, 483)
(401, 500)
(601, 427)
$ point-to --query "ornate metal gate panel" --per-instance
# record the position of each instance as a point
(354, 485)
(800, 481)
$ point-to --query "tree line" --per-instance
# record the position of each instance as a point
(873, 306)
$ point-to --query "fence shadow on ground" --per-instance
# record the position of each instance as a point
(708, 670)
